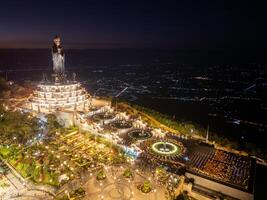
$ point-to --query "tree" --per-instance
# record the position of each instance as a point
(145, 187)
(101, 175)
(52, 123)
(17, 126)
(128, 173)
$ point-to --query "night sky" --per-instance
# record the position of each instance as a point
(167, 24)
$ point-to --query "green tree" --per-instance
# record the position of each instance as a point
(52, 123)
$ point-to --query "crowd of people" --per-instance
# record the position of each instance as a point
(199, 159)
(223, 166)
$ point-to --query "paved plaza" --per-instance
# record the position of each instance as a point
(118, 187)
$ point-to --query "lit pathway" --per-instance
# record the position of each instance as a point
(116, 187)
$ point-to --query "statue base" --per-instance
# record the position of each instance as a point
(59, 78)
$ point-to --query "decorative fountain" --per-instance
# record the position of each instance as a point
(140, 134)
(166, 147)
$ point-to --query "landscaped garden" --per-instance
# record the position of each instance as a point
(33, 163)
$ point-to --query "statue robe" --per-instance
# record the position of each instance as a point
(58, 62)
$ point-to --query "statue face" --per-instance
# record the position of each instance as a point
(57, 41)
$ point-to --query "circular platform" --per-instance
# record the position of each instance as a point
(166, 148)
(121, 124)
(139, 134)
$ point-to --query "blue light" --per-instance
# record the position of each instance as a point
(186, 158)
(131, 152)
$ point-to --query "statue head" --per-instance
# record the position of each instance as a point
(57, 40)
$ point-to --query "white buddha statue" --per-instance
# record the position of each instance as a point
(58, 57)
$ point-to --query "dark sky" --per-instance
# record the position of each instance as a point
(133, 24)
